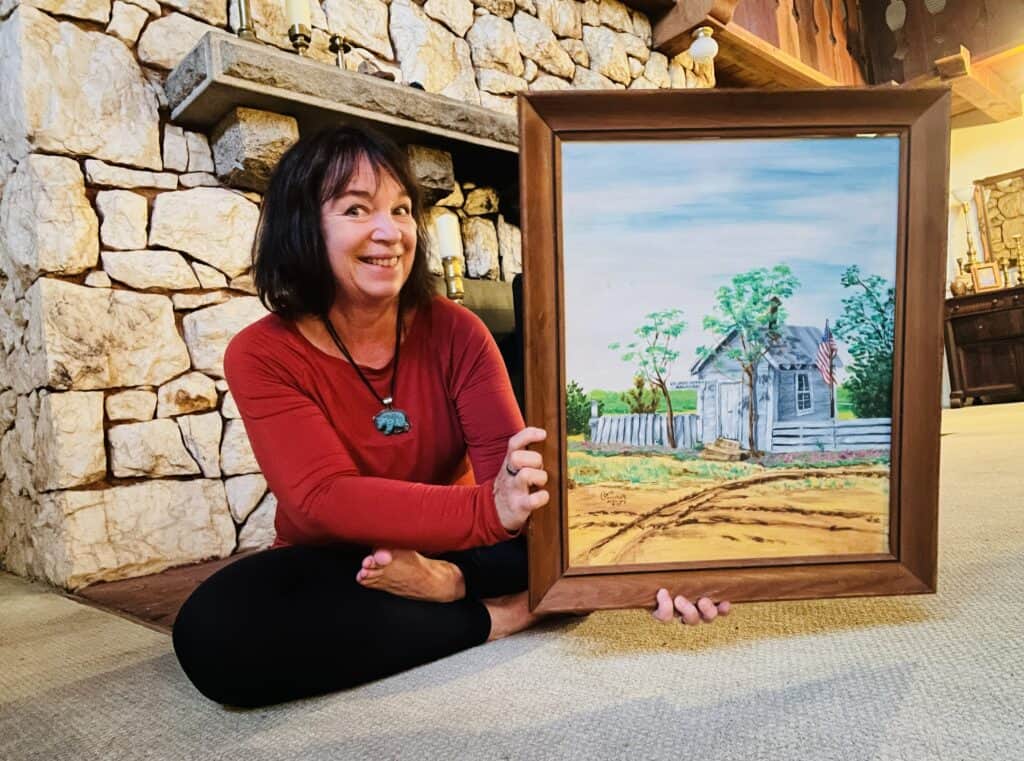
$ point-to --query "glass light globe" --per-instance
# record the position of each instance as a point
(963, 194)
(704, 46)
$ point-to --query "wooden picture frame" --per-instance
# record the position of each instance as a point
(986, 277)
(991, 222)
(920, 118)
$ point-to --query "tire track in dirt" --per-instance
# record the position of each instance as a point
(697, 500)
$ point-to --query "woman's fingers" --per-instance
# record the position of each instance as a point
(691, 614)
(525, 458)
(527, 436)
(663, 611)
(538, 499)
(708, 610)
(532, 476)
(687, 610)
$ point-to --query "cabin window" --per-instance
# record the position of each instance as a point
(803, 393)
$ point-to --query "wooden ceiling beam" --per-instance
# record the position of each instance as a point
(975, 85)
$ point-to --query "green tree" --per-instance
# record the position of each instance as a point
(577, 409)
(641, 398)
(868, 327)
(654, 355)
(751, 309)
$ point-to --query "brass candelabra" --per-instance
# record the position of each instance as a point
(1016, 260)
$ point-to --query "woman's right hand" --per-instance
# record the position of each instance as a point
(521, 470)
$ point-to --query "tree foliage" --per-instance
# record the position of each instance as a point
(642, 398)
(752, 309)
(868, 327)
(577, 409)
(653, 354)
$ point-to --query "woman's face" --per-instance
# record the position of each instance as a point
(370, 233)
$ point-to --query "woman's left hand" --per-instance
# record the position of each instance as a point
(691, 614)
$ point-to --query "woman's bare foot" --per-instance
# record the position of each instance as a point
(407, 573)
(509, 614)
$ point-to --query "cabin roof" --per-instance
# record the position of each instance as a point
(796, 348)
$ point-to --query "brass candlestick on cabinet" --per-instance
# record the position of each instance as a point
(1004, 266)
(1018, 260)
(963, 198)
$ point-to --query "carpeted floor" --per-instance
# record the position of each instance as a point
(915, 678)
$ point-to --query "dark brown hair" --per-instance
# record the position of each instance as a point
(291, 272)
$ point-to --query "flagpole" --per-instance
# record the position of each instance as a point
(831, 385)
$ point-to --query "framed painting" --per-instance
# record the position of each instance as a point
(1000, 203)
(733, 311)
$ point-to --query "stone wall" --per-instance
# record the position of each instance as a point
(125, 239)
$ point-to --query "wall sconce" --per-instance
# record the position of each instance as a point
(703, 47)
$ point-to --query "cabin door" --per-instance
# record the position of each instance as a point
(730, 410)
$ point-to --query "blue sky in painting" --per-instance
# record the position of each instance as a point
(656, 225)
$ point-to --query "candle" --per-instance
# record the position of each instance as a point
(449, 235)
(297, 12)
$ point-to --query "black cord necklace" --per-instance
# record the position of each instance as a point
(390, 420)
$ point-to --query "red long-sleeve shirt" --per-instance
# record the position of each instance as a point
(337, 478)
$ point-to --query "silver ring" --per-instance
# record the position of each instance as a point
(509, 470)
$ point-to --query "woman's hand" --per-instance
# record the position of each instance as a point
(691, 614)
(521, 470)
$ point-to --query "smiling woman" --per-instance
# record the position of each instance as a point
(384, 423)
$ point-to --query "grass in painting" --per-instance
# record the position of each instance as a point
(683, 400)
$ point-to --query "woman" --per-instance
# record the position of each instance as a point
(384, 422)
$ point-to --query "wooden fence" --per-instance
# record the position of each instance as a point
(646, 430)
(865, 433)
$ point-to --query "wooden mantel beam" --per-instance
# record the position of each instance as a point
(975, 86)
(743, 57)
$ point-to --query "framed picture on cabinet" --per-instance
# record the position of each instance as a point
(986, 277)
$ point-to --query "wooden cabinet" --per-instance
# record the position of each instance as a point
(985, 346)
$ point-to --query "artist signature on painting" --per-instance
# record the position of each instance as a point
(613, 498)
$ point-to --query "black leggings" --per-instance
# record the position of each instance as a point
(293, 622)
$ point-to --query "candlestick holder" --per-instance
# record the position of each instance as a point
(300, 36)
(454, 287)
(245, 29)
(962, 283)
(1017, 260)
(972, 255)
(1004, 267)
(340, 48)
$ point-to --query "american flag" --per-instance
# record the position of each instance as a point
(826, 355)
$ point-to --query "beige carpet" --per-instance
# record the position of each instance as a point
(915, 679)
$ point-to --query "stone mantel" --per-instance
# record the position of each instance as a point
(223, 71)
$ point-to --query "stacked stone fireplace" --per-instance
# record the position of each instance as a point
(125, 245)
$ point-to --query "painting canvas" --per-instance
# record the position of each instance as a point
(730, 325)
(732, 308)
